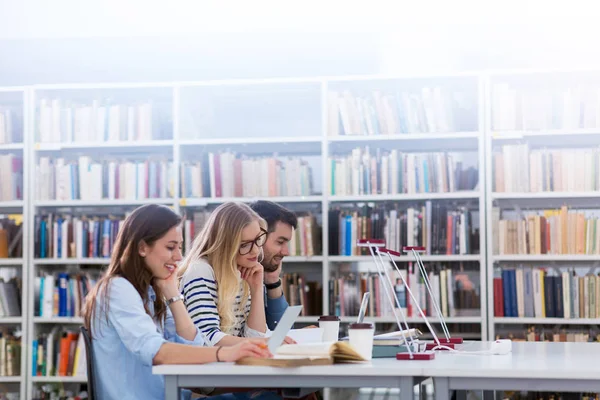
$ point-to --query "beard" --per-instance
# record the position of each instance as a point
(271, 262)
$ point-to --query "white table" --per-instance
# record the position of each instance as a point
(379, 373)
(533, 366)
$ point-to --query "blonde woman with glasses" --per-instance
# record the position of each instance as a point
(222, 278)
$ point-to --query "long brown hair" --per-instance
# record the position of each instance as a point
(146, 224)
(219, 242)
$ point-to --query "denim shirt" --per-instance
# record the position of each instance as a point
(125, 346)
(274, 309)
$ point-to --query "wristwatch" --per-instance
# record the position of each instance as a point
(275, 285)
(174, 299)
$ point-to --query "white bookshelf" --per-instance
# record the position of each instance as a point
(17, 98)
(537, 138)
(306, 113)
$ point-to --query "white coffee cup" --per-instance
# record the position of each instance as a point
(361, 339)
(330, 324)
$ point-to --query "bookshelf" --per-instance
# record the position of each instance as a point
(546, 124)
(14, 122)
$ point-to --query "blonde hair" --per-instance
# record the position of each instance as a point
(219, 242)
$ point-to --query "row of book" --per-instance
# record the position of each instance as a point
(11, 129)
(85, 179)
(517, 168)
(11, 237)
(550, 107)
(430, 109)
(370, 172)
(11, 177)
(101, 120)
(59, 353)
(58, 236)
(62, 294)
(552, 231)
(306, 240)
(455, 292)
(299, 291)
(543, 334)
(537, 292)
(228, 174)
(440, 228)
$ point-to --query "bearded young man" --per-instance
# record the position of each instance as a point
(281, 223)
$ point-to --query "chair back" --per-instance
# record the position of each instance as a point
(90, 363)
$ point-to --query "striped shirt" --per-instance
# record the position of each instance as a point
(199, 288)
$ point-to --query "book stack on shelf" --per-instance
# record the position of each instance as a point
(544, 185)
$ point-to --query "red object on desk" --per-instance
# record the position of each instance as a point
(416, 356)
(430, 346)
(452, 340)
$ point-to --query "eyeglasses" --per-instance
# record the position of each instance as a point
(246, 247)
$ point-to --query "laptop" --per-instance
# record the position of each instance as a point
(283, 327)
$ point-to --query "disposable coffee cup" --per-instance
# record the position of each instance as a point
(330, 324)
(361, 339)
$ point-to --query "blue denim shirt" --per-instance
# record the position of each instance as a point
(125, 346)
(274, 309)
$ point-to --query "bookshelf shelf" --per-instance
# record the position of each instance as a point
(100, 203)
(11, 379)
(11, 146)
(303, 259)
(10, 320)
(11, 261)
(42, 147)
(71, 261)
(58, 320)
(547, 321)
(405, 137)
(59, 379)
(546, 195)
(203, 202)
(5, 205)
(425, 258)
(511, 135)
(546, 258)
(407, 197)
(250, 140)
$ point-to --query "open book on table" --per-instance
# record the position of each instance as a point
(296, 355)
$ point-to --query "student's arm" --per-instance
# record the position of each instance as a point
(200, 294)
(276, 304)
(275, 307)
(139, 335)
(256, 324)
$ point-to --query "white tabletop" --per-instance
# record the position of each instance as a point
(545, 360)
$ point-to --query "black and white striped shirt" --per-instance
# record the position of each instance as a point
(199, 288)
